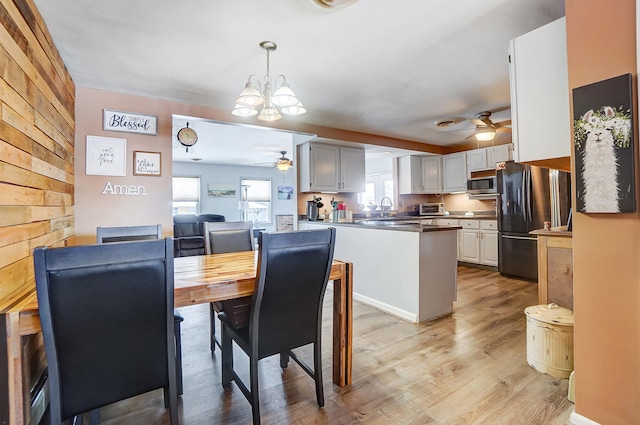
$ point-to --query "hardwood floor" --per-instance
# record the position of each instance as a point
(467, 368)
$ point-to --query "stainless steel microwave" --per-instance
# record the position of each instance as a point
(482, 186)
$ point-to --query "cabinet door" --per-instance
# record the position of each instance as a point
(489, 247)
(455, 172)
(539, 94)
(500, 153)
(324, 167)
(409, 175)
(470, 242)
(352, 170)
(477, 159)
(431, 174)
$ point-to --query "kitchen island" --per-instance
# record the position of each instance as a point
(405, 269)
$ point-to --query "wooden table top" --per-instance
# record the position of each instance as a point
(197, 279)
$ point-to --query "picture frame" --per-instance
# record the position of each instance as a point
(285, 193)
(129, 122)
(105, 156)
(147, 163)
(604, 146)
(221, 190)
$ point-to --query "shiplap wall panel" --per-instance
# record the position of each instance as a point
(37, 97)
(37, 130)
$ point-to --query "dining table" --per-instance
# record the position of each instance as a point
(197, 280)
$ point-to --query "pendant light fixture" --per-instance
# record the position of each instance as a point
(270, 103)
(283, 163)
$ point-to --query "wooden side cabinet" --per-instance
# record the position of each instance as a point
(555, 267)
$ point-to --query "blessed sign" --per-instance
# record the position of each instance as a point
(129, 122)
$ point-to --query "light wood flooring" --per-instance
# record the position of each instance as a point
(467, 368)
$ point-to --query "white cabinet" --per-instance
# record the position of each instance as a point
(419, 174)
(470, 241)
(331, 168)
(489, 242)
(477, 159)
(486, 158)
(500, 153)
(454, 172)
(479, 242)
(540, 115)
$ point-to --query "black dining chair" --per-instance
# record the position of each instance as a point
(286, 308)
(133, 233)
(220, 238)
(107, 321)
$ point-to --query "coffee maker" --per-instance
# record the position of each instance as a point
(312, 210)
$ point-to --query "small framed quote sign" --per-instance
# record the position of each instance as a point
(147, 163)
(129, 122)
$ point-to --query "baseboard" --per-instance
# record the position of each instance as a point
(394, 311)
(577, 419)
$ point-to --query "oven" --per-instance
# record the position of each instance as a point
(431, 209)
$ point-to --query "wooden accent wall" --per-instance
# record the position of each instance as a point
(37, 99)
(37, 126)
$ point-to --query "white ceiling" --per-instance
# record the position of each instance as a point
(383, 67)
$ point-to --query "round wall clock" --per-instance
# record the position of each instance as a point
(187, 137)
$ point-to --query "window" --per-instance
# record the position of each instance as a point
(255, 200)
(186, 195)
(377, 187)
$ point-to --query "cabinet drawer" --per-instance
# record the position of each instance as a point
(470, 224)
(446, 222)
(489, 224)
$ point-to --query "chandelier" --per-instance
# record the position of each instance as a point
(282, 100)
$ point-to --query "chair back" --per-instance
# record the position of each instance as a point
(128, 233)
(202, 218)
(107, 320)
(185, 225)
(228, 236)
(292, 275)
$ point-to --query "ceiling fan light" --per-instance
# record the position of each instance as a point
(485, 134)
(269, 113)
(283, 165)
(284, 96)
(250, 96)
(244, 111)
(297, 109)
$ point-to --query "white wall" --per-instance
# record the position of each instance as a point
(213, 173)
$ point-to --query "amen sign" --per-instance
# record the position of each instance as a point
(122, 189)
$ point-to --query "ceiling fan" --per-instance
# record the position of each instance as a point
(283, 163)
(486, 129)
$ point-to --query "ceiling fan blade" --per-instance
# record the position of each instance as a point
(502, 124)
(503, 130)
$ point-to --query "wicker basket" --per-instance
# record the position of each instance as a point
(550, 339)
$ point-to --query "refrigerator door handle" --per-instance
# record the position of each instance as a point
(526, 238)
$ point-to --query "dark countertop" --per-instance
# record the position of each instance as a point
(390, 225)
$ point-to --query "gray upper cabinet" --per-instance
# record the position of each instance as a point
(540, 114)
(486, 158)
(455, 174)
(420, 174)
(331, 168)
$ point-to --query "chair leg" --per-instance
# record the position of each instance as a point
(284, 359)
(94, 417)
(255, 392)
(178, 340)
(227, 359)
(212, 319)
(317, 369)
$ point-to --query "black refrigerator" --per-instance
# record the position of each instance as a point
(527, 197)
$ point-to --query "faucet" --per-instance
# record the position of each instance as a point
(384, 206)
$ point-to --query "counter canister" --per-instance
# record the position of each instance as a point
(550, 339)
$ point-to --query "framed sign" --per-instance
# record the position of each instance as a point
(129, 122)
(106, 156)
(147, 163)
